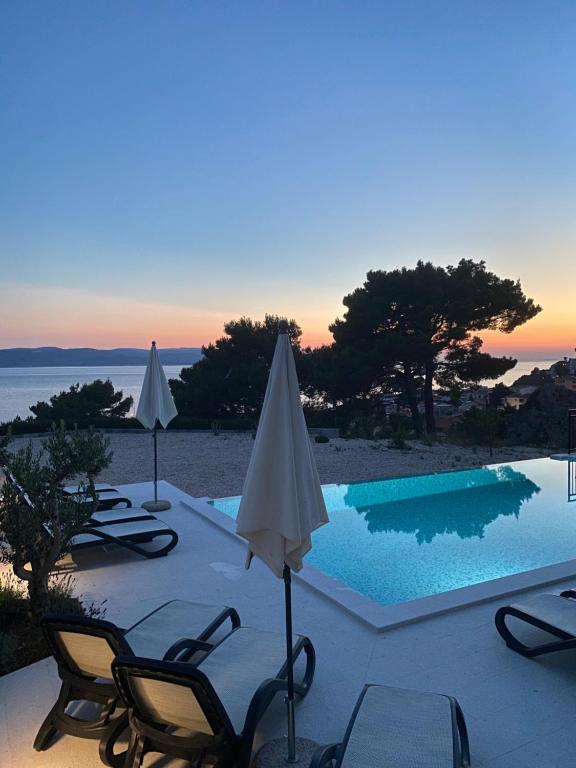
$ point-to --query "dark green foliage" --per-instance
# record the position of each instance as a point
(22, 641)
(543, 420)
(416, 327)
(364, 419)
(33, 537)
(400, 431)
(230, 380)
(498, 394)
(83, 403)
(322, 439)
(337, 375)
(480, 427)
(536, 378)
(31, 426)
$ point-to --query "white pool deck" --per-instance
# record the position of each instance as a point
(520, 712)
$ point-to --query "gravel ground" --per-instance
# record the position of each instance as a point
(207, 465)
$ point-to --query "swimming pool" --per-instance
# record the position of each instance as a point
(407, 538)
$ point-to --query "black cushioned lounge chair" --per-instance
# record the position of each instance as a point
(107, 496)
(401, 729)
(84, 650)
(215, 705)
(123, 515)
(554, 614)
(128, 534)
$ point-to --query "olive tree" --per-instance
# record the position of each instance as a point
(36, 519)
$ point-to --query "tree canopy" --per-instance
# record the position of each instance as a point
(419, 327)
(80, 403)
(230, 379)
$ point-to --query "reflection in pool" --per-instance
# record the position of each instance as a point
(489, 494)
(397, 540)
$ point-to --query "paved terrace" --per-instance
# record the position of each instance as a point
(520, 713)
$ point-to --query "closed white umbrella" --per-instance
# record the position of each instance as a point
(282, 500)
(155, 406)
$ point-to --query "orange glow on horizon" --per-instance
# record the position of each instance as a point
(36, 316)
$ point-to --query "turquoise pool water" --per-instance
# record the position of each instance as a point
(397, 540)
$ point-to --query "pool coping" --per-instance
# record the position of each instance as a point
(381, 617)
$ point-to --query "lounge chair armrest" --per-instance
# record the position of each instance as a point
(112, 502)
(325, 756)
(184, 648)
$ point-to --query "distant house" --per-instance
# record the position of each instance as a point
(514, 401)
(477, 396)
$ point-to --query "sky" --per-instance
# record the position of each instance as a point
(167, 165)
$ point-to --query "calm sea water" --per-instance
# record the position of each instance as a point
(22, 387)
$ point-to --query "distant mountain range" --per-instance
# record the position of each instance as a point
(23, 357)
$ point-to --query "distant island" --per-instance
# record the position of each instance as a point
(24, 357)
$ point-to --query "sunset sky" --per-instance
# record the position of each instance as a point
(166, 165)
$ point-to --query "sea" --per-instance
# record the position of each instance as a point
(22, 387)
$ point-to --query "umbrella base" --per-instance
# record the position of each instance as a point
(156, 506)
(274, 753)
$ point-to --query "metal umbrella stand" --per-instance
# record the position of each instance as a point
(291, 757)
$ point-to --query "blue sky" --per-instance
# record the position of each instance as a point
(175, 163)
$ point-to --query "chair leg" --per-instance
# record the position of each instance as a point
(108, 742)
(45, 734)
(49, 728)
(136, 751)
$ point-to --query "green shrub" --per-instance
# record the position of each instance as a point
(485, 427)
(21, 639)
(98, 399)
(398, 441)
(321, 439)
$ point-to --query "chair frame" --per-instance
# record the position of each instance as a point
(113, 718)
(120, 516)
(130, 542)
(227, 747)
(565, 642)
(332, 755)
(104, 504)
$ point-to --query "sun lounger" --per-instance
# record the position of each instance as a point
(107, 496)
(70, 490)
(129, 535)
(84, 650)
(554, 614)
(401, 729)
(215, 704)
(124, 515)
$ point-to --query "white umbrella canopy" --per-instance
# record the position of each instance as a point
(282, 502)
(156, 402)
(155, 406)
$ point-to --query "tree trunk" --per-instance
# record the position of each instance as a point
(38, 590)
(410, 391)
(429, 398)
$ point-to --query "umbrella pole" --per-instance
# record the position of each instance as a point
(291, 758)
(155, 465)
